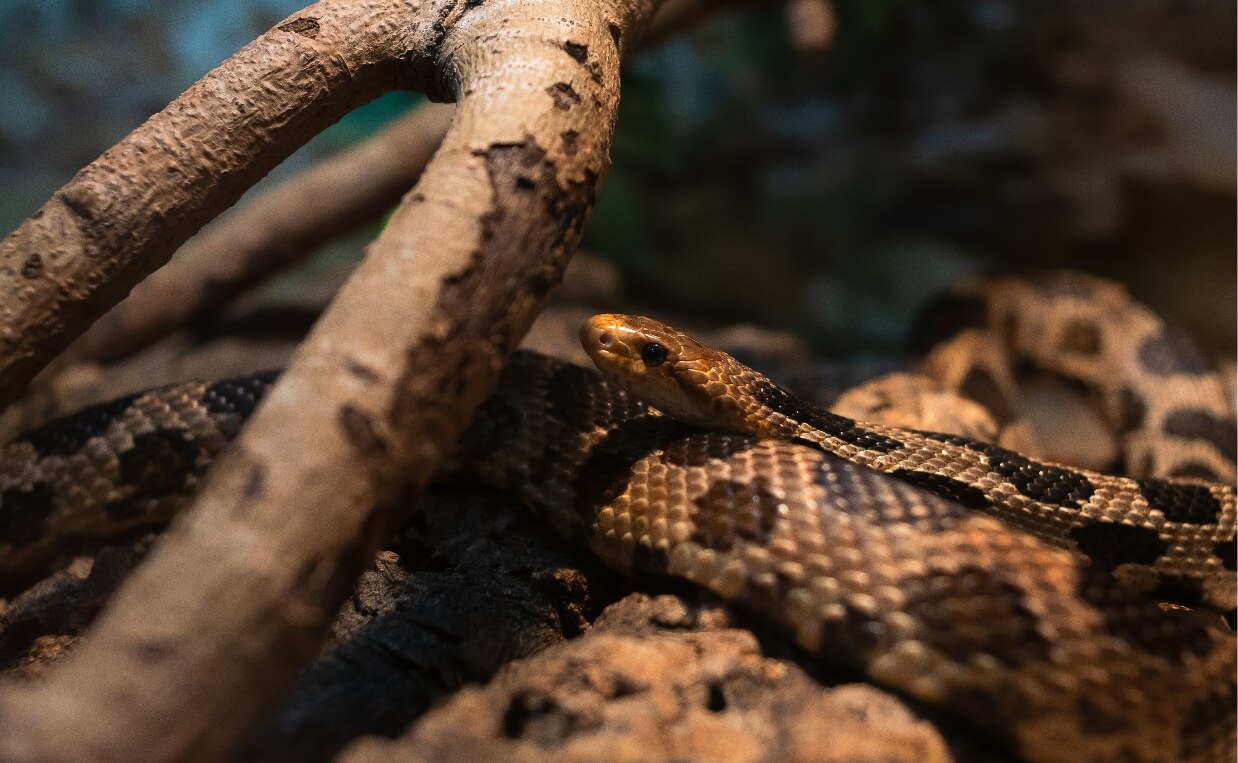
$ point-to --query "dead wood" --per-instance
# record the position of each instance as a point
(485, 589)
(469, 585)
(274, 231)
(287, 223)
(236, 597)
(661, 679)
(123, 215)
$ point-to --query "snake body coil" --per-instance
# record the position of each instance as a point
(911, 581)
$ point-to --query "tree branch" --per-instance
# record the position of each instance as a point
(281, 227)
(236, 596)
(273, 232)
(124, 214)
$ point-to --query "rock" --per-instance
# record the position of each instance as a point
(661, 679)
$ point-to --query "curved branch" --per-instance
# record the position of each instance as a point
(285, 224)
(123, 215)
(236, 596)
(272, 232)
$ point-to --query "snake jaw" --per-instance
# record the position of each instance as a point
(615, 344)
(683, 380)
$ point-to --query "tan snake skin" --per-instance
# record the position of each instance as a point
(1155, 387)
(915, 588)
(1049, 656)
(1171, 538)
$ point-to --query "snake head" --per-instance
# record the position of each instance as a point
(664, 367)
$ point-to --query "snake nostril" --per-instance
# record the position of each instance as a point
(604, 338)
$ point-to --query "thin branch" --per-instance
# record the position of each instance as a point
(274, 231)
(124, 214)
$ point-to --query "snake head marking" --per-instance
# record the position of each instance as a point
(664, 367)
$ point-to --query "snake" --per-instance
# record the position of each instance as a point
(1009, 592)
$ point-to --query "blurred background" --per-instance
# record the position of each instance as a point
(825, 193)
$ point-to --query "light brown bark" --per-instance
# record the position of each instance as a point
(125, 213)
(236, 596)
(274, 231)
(283, 226)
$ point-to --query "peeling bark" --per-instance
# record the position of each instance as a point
(263, 237)
(124, 214)
(236, 597)
(284, 225)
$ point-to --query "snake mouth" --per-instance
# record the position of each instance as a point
(605, 345)
(595, 336)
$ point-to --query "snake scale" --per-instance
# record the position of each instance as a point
(873, 547)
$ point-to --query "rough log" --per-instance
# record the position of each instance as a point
(237, 595)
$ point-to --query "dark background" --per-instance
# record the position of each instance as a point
(827, 194)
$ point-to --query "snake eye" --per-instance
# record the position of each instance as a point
(653, 354)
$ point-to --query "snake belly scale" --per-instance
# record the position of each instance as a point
(910, 581)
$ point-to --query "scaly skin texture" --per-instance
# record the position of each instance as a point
(1151, 380)
(915, 588)
(1046, 655)
(1173, 538)
(1049, 656)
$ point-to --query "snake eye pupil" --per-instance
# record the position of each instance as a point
(653, 354)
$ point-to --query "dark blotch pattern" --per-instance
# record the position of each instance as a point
(577, 398)
(159, 463)
(979, 385)
(1177, 588)
(238, 396)
(945, 317)
(1040, 482)
(496, 424)
(1196, 424)
(872, 496)
(1139, 621)
(735, 509)
(1172, 352)
(1193, 470)
(699, 451)
(1080, 339)
(1226, 552)
(848, 430)
(1134, 410)
(953, 489)
(65, 436)
(605, 471)
(1109, 544)
(951, 439)
(1188, 504)
(973, 611)
(24, 513)
(1200, 723)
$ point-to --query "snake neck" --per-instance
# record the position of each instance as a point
(778, 413)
